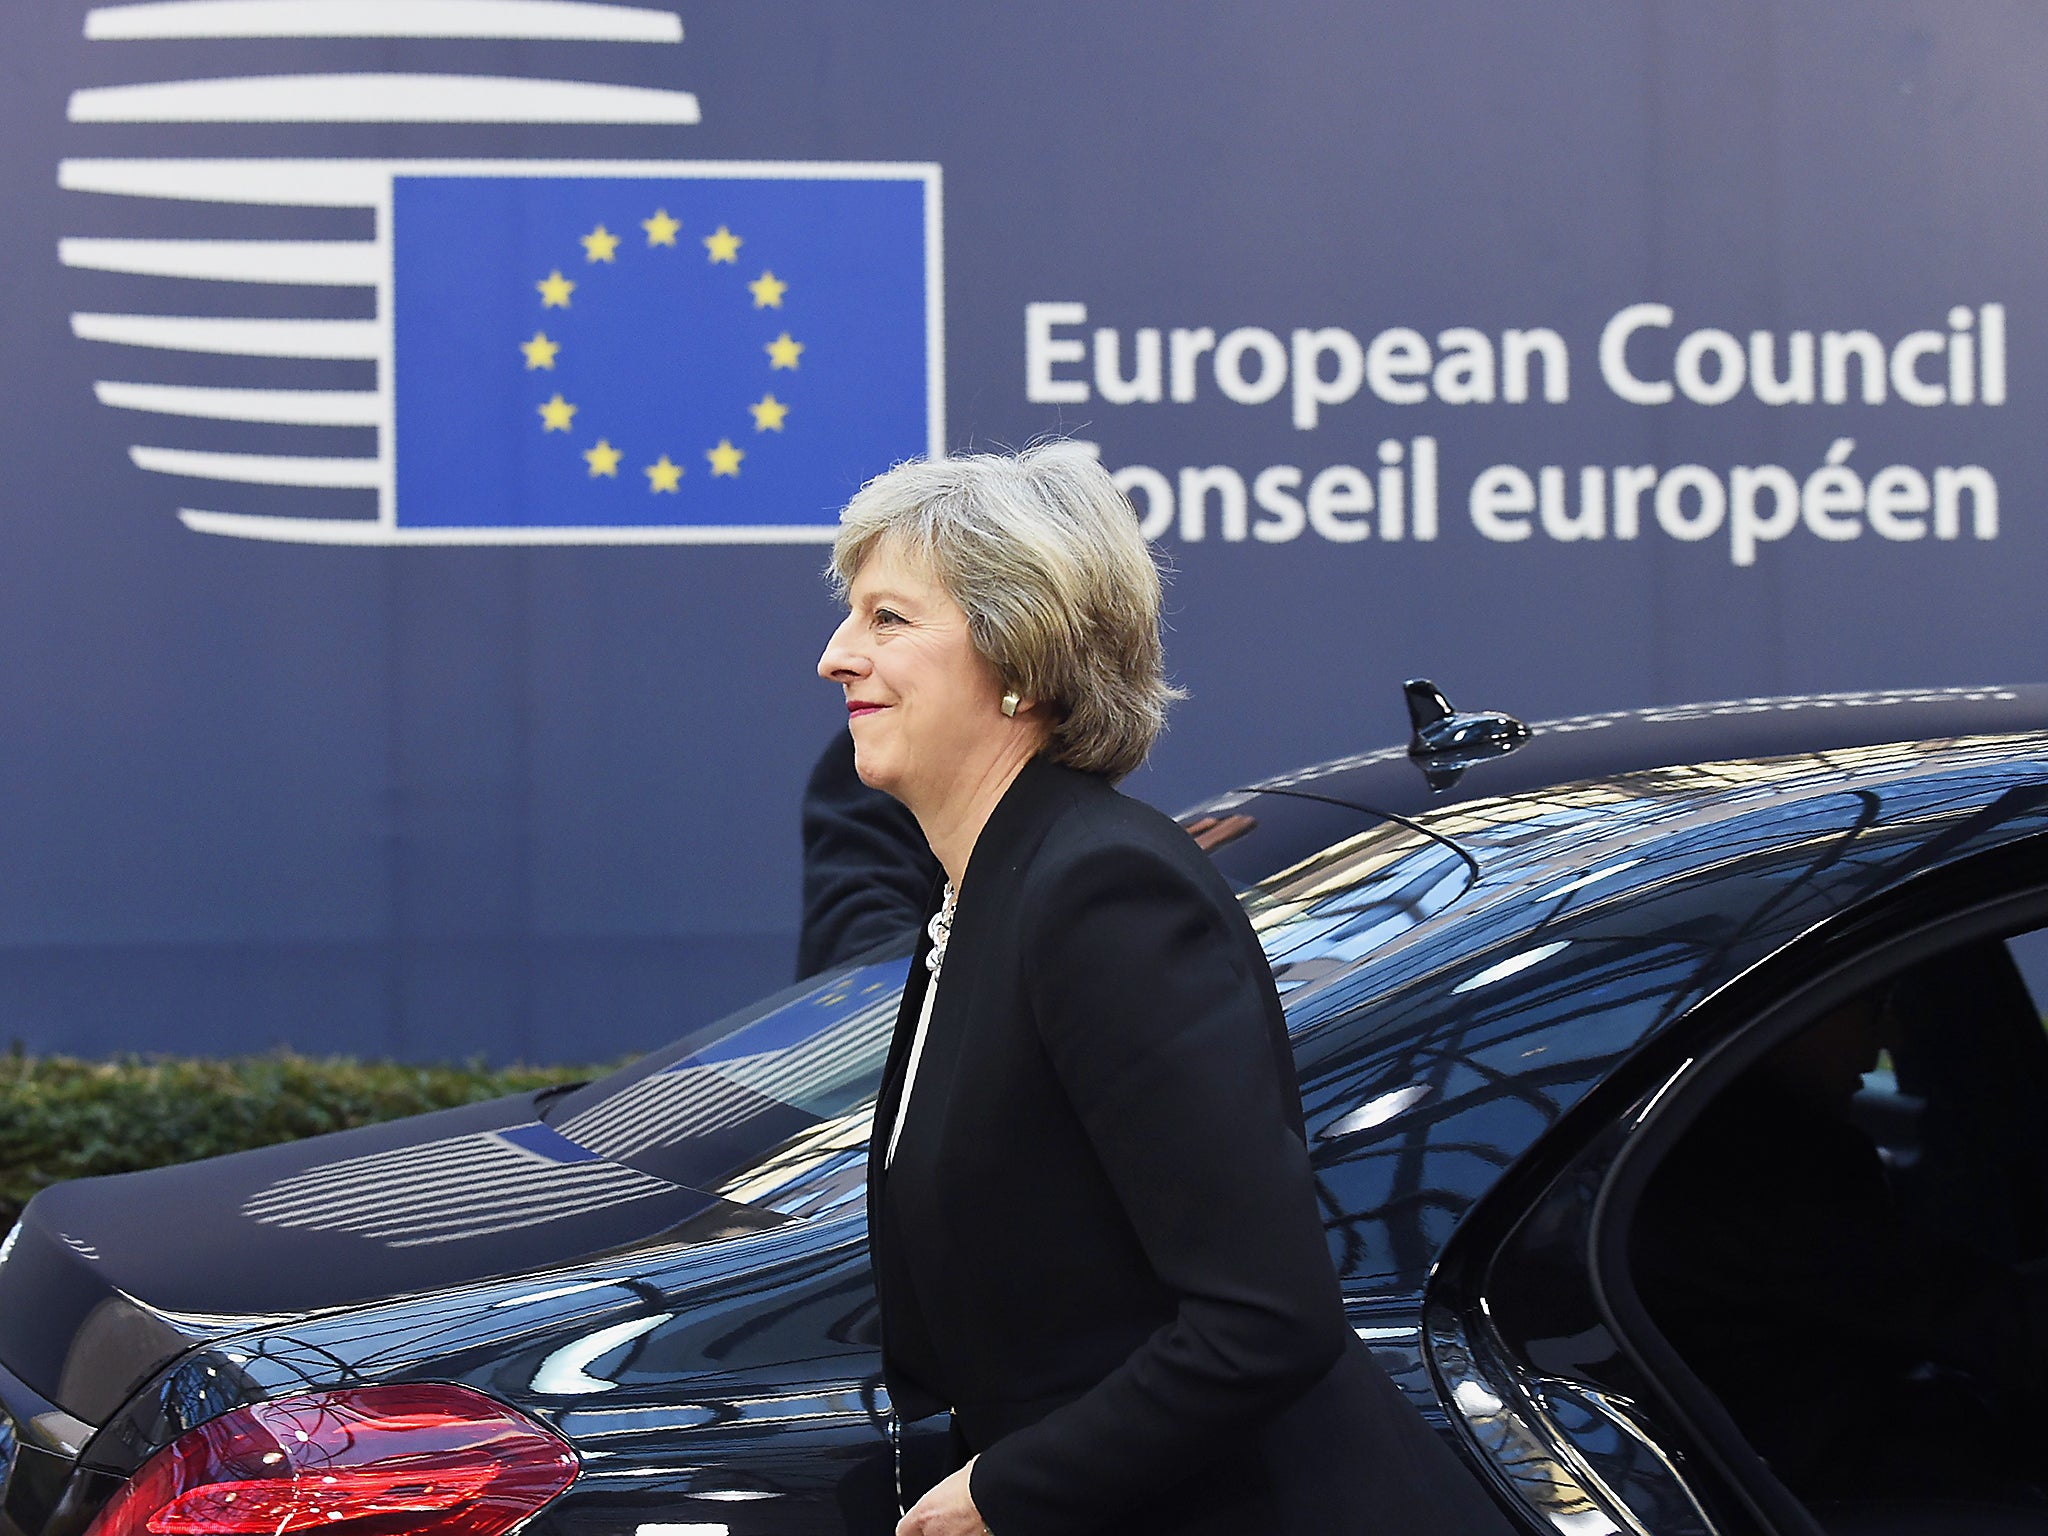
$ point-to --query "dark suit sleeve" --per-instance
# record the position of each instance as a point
(1154, 1004)
(868, 871)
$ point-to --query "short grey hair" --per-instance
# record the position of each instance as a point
(1043, 554)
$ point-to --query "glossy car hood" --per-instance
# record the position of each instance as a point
(106, 1279)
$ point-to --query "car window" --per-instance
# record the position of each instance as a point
(771, 1107)
(1864, 1211)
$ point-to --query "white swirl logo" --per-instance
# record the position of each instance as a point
(382, 270)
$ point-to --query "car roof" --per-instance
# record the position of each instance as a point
(1389, 781)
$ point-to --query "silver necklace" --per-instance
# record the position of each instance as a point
(941, 929)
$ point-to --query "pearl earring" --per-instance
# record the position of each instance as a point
(1010, 703)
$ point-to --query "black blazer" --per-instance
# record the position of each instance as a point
(1099, 1243)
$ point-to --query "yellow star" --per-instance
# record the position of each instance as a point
(767, 290)
(725, 459)
(662, 475)
(723, 244)
(603, 460)
(599, 244)
(554, 291)
(661, 229)
(556, 415)
(768, 414)
(540, 352)
(783, 353)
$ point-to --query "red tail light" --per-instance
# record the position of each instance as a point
(368, 1461)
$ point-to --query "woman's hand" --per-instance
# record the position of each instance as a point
(947, 1510)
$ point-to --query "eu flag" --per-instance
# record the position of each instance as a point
(719, 355)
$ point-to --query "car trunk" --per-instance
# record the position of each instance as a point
(106, 1280)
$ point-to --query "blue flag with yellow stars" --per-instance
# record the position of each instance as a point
(718, 357)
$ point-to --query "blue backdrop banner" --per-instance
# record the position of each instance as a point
(421, 427)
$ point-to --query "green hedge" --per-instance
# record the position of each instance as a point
(63, 1118)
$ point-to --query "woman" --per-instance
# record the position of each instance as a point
(1094, 1229)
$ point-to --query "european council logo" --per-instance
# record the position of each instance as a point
(586, 352)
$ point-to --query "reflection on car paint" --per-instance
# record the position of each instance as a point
(803, 1054)
(1325, 915)
(1376, 1111)
(1514, 965)
(1631, 1468)
(488, 1182)
(1544, 1472)
(461, 1186)
(566, 1371)
(814, 1173)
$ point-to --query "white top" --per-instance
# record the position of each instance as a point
(924, 1024)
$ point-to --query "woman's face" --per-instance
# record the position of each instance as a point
(924, 706)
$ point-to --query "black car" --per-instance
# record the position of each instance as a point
(1675, 1086)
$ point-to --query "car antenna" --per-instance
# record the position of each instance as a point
(1447, 741)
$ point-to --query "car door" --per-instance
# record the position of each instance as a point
(1607, 1415)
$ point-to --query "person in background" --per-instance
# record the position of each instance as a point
(868, 872)
(1094, 1229)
